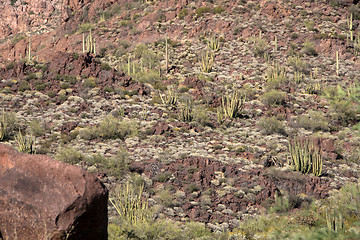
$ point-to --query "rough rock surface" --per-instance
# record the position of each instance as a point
(43, 198)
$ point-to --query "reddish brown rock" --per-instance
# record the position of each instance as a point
(44, 198)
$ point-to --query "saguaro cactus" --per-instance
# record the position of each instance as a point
(89, 44)
(29, 51)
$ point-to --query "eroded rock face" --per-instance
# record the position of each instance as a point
(42, 198)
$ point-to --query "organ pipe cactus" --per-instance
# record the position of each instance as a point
(304, 156)
(25, 143)
(129, 204)
(170, 98)
(185, 113)
(207, 62)
(334, 223)
(231, 105)
(214, 44)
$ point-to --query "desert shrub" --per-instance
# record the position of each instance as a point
(40, 87)
(344, 103)
(309, 48)
(150, 59)
(276, 76)
(116, 166)
(218, 10)
(314, 120)
(26, 143)
(8, 124)
(183, 13)
(85, 27)
(9, 66)
(110, 128)
(18, 37)
(201, 116)
(310, 25)
(201, 11)
(166, 197)
(260, 47)
(353, 155)
(69, 155)
(36, 128)
(347, 202)
(51, 94)
(31, 76)
(273, 97)
(163, 177)
(23, 86)
(89, 83)
(150, 76)
(343, 112)
(298, 64)
(105, 66)
(271, 125)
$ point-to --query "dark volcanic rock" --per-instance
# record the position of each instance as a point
(44, 198)
(254, 187)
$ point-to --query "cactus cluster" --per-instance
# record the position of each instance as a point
(26, 144)
(305, 157)
(185, 112)
(231, 106)
(214, 44)
(89, 44)
(334, 222)
(130, 205)
(170, 98)
(207, 62)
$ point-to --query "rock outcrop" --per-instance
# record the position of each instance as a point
(42, 198)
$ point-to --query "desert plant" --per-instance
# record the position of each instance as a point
(298, 64)
(305, 156)
(3, 125)
(309, 48)
(347, 201)
(298, 77)
(337, 63)
(334, 221)
(69, 155)
(260, 46)
(26, 144)
(115, 166)
(313, 88)
(169, 98)
(310, 25)
(214, 44)
(185, 111)
(314, 120)
(276, 75)
(220, 115)
(271, 125)
(36, 128)
(207, 62)
(273, 97)
(110, 128)
(130, 205)
(231, 105)
(89, 43)
(29, 50)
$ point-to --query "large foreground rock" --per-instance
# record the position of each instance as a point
(41, 198)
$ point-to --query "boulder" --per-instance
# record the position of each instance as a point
(41, 198)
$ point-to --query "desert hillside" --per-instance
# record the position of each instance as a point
(217, 119)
